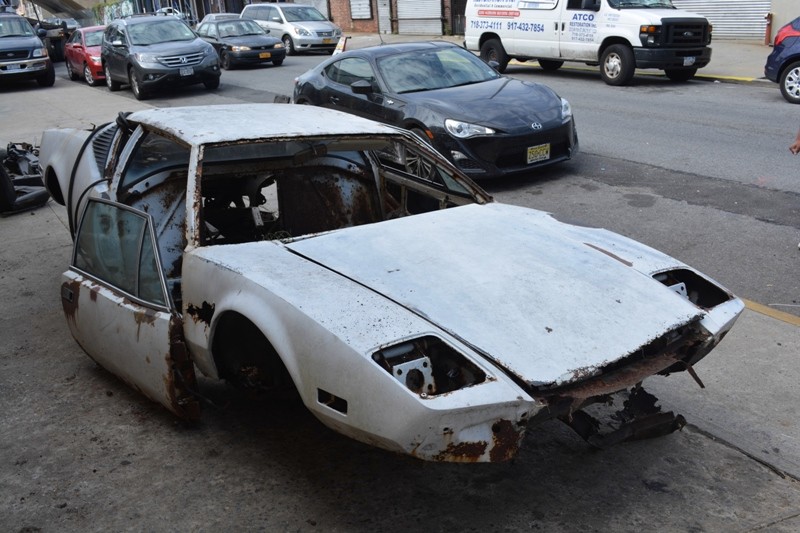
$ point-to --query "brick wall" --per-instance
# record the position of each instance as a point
(340, 14)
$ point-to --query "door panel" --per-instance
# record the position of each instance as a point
(117, 308)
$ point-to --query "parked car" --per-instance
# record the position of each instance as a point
(23, 55)
(242, 42)
(783, 63)
(487, 124)
(150, 52)
(292, 247)
(170, 11)
(301, 28)
(82, 55)
(219, 16)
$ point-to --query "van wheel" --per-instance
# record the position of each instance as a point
(617, 64)
(680, 74)
(289, 45)
(550, 64)
(492, 50)
(790, 83)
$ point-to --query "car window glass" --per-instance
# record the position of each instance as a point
(434, 69)
(301, 13)
(160, 32)
(154, 155)
(354, 69)
(75, 38)
(115, 245)
(202, 29)
(93, 38)
(11, 26)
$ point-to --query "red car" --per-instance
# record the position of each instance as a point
(82, 55)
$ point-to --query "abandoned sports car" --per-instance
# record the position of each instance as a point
(281, 246)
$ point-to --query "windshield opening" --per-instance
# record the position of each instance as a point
(94, 38)
(238, 28)
(298, 14)
(15, 27)
(160, 32)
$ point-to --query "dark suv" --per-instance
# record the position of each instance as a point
(783, 64)
(148, 52)
(23, 56)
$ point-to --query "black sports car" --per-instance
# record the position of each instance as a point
(242, 42)
(487, 124)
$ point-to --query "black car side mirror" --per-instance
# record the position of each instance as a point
(361, 87)
(41, 32)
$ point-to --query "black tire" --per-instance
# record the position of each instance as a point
(211, 83)
(790, 83)
(87, 75)
(277, 62)
(224, 60)
(111, 84)
(289, 45)
(680, 74)
(48, 78)
(617, 65)
(136, 85)
(492, 50)
(71, 73)
(550, 64)
(8, 196)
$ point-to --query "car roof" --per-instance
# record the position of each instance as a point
(90, 29)
(238, 122)
(382, 50)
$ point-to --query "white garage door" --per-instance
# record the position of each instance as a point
(419, 17)
(731, 19)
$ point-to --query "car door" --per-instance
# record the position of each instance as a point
(208, 32)
(118, 309)
(578, 31)
(117, 53)
(73, 51)
(338, 94)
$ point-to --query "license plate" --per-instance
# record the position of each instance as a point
(264, 55)
(688, 61)
(538, 153)
(187, 71)
(327, 41)
(12, 67)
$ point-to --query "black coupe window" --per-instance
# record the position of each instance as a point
(433, 69)
(350, 70)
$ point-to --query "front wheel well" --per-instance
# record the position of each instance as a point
(245, 357)
(610, 41)
(486, 36)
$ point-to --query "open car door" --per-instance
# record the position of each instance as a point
(118, 309)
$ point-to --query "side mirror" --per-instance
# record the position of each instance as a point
(361, 87)
(494, 64)
(41, 32)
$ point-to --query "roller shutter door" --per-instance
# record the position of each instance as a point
(384, 16)
(732, 19)
(419, 17)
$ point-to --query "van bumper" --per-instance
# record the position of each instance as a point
(664, 58)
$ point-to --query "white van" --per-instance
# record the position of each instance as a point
(300, 27)
(618, 35)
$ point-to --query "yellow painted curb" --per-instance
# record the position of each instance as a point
(772, 313)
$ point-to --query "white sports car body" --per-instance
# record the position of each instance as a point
(291, 246)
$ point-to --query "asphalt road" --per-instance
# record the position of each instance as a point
(79, 451)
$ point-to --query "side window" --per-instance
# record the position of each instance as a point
(155, 156)
(271, 13)
(115, 245)
(75, 38)
(202, 30)
(354, 69)
(212, 30)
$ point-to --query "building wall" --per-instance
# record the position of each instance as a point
(783, 12)
(340, 14)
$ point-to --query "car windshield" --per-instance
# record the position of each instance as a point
(14, 27)
(433, 69)
(626, 4)
(94, 38)
(237, 28)
(300, 13)
(160, 32)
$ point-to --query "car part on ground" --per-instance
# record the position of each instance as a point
(21, 186)
(291, 247)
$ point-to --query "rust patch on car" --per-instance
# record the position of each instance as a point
(506, 439)
(463, 452)
(146, 316)
(203, 314)
(70, 292)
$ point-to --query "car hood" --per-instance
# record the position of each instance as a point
(15, 43)
(315, 25)
(251, 40)
(173, 47)
(505, 104)
(529, 292)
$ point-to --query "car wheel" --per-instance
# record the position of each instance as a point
(8, 196)
(550, 64)
(790, 83)
(48, 78)
(111, 84)
(680, 74)
(211, 83)
(224, 60)
(492, 50)
(136, 85)
(277, 62)
(71, 73)
(289, 45)
(617, 65)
